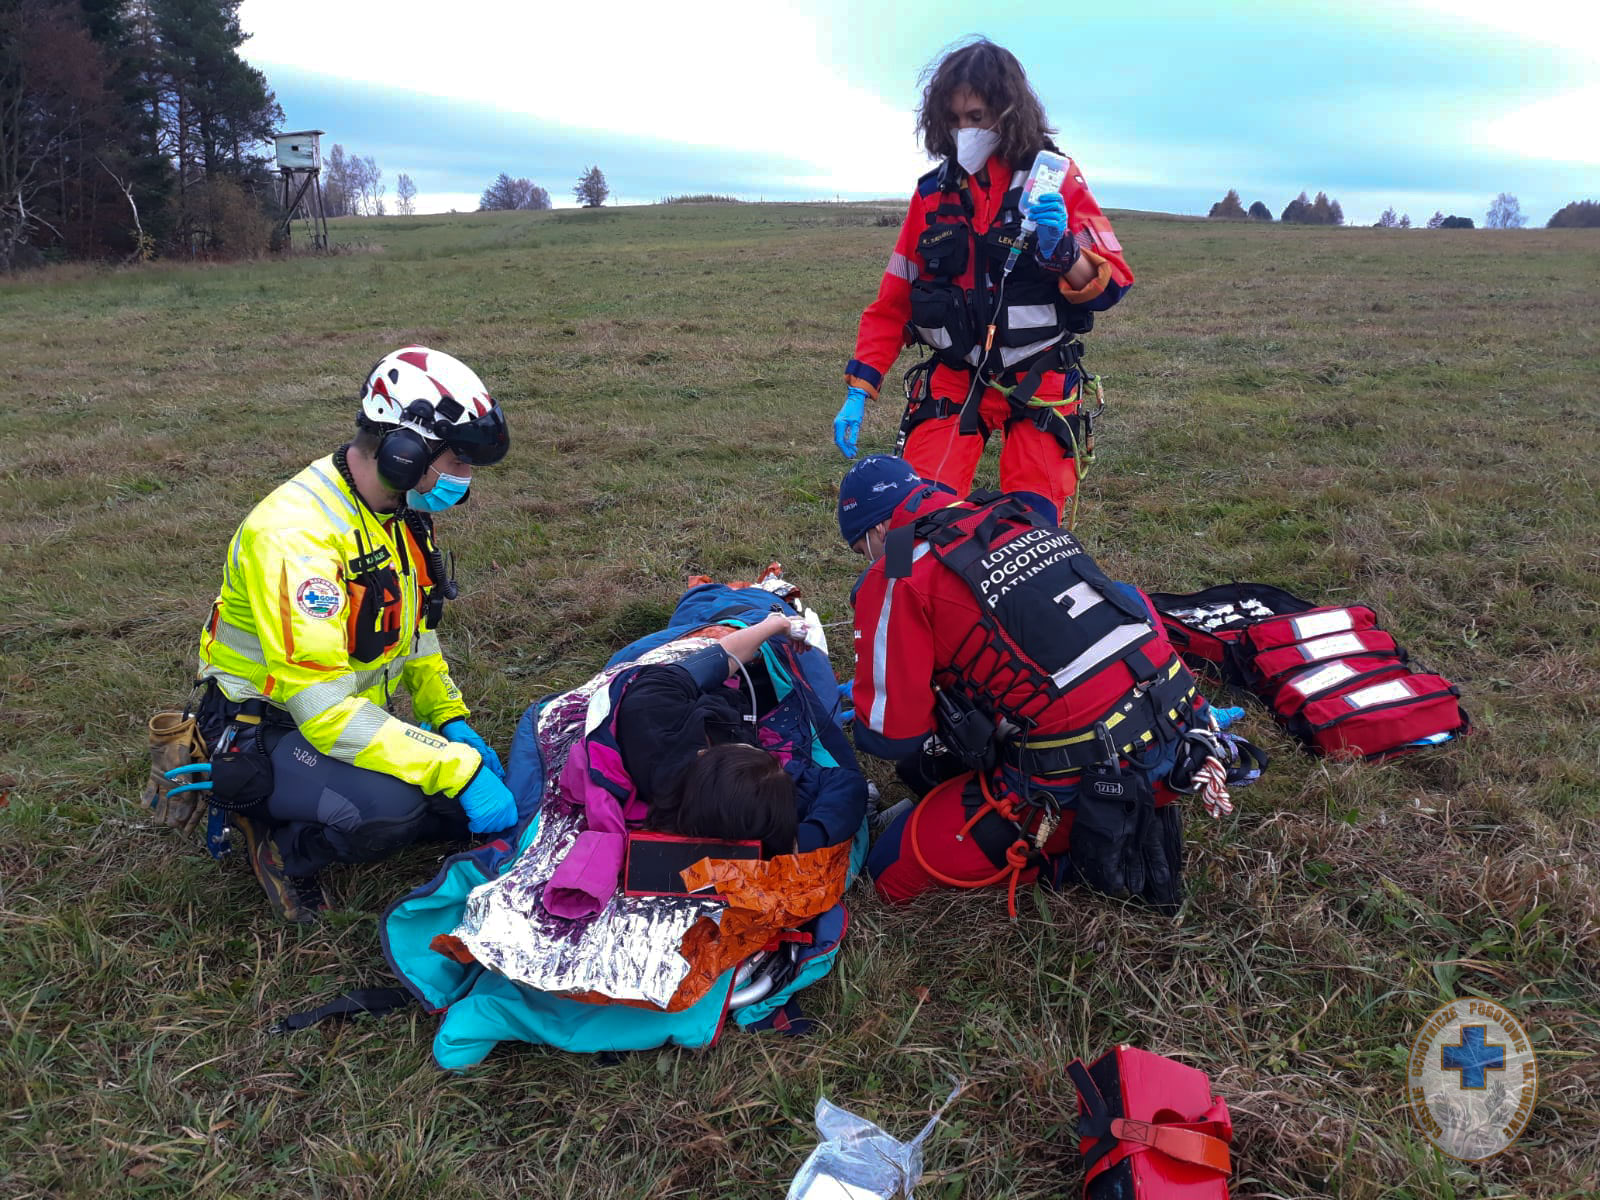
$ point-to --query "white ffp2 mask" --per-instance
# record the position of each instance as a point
(973, 147)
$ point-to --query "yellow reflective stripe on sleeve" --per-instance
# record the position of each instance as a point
(359, 732)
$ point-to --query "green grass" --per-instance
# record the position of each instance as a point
(1402, 419)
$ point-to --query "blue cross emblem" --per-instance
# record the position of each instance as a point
(1474, 1056)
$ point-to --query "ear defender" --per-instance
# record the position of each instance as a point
(403, 458)
(404, 455)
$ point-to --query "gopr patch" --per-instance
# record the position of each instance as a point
(319, 598)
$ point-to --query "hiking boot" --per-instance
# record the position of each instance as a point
(296, 898)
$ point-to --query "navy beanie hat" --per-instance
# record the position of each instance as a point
(870, 492)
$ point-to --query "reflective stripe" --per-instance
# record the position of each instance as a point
(901, 267)
(1083, 597)
(336, 490)
(309, 703)
(939, 339)
(362, 730)
(1018, 178)
(238, 536)
(338, 522)
(427, 643)
(1030, 316)
(880, 650)
(1009, 356)
(240, 641)
(1102, 651)
(235, 687)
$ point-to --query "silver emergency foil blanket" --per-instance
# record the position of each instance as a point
(628, 950)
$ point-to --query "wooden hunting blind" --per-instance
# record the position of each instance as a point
(299, 157)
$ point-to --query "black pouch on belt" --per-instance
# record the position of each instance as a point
(241, 765)
(1104, 852)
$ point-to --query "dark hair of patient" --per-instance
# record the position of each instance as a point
(735, 793)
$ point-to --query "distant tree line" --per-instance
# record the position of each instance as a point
(130, 128)
(700, 198)
(1580, 214)
(1302, 210)
(1504, 213)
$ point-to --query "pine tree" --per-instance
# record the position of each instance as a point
(1260, 212)
(1229, 208)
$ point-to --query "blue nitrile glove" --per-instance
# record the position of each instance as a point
(1226, 716)
(459, 731)
(488, 803)
(848, 423)
(1050, 211)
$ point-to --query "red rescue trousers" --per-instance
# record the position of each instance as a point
(1031, 460)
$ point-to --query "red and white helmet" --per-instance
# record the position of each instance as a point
(439, 397)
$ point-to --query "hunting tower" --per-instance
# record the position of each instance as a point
(300, 164)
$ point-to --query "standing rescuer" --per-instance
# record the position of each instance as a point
(1004, 350)
(331, 592)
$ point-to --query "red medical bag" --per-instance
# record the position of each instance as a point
(1150, 1129)
(1377, 719)
(1329, 674)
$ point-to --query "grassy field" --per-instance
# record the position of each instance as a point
(1404, 419)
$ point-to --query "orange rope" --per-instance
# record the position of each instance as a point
(1016, 855)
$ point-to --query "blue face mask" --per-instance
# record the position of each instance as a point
(447, 491)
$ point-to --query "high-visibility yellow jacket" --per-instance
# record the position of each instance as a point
(322, 612)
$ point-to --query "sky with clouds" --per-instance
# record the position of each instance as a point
(1422, 104)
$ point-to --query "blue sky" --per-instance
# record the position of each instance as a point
(1422, 104)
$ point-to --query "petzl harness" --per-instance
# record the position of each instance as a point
(958, 295)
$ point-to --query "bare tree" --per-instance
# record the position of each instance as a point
(1436, 220)
(337, 200)
(405, 195)
(1387, 219)
(592, 190)
(1504, 213)
(1405, 220)
(367, 187)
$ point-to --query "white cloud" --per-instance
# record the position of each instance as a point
(1573, 25)
(740, 76)
(1560, 128)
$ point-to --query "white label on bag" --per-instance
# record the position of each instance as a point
(1319, 623)
(1379, 693)
(1322, 679)
(1332, 647)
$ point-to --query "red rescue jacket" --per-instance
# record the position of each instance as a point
(984, 208)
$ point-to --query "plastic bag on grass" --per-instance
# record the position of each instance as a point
(859, 1161)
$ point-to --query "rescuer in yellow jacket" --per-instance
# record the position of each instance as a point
(331, 593)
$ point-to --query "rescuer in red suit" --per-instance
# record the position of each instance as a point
(942, 290)
(1035, 706)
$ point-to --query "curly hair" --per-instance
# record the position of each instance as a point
(994, 73)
